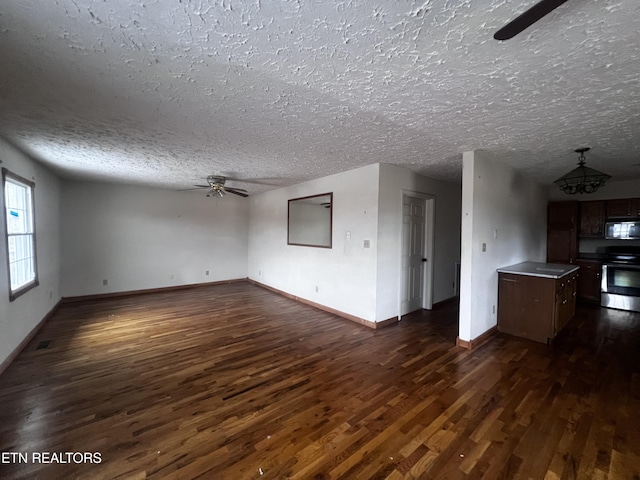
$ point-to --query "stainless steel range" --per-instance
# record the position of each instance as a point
(621, 278)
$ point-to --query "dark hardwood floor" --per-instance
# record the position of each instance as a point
(236, 382)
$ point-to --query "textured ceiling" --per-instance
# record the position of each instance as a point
(166, 92)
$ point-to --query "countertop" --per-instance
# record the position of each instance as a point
(538, 269)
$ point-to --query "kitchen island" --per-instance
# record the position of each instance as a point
(535, 300)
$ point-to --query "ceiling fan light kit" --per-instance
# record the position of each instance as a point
(582, 179)
(216, 192)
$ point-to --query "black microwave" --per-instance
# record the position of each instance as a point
(622, 230)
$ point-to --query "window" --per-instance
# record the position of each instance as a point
(20, 228)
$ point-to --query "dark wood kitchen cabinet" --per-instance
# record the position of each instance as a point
(592, 218)
(535, 307)
(562, 214)
(623, 208)
(589, 280)
(562, 232)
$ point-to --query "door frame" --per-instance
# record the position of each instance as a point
(429, 235)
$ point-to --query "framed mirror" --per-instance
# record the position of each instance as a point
(310, 221)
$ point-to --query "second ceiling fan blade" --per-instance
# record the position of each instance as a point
(236, 191)
(527, 19)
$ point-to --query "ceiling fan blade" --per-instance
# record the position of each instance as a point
(236, 191)
(196, 187)
(271, 182)
(527, 19)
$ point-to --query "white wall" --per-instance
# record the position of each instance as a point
(495, 198)
(345, 274)
(19, 317)
(447, 235)
(138, 237)
(367, 205)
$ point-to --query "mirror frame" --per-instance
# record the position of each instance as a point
(330, 245)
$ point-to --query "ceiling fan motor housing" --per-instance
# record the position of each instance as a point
(216, 186)
(215, 180)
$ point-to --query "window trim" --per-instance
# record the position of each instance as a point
(7, 174)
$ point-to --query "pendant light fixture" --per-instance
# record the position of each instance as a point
(582, 179)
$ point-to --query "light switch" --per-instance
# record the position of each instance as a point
(367, 244)
(484, 247)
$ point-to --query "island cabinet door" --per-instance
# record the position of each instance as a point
(565, 306)
(561, 306)
(526, 306)
(572, 292)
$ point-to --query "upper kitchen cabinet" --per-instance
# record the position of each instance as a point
(562, 214)
(623, 208)
(592, 218)
(562, 232)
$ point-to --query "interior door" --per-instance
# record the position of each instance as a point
(413, 254)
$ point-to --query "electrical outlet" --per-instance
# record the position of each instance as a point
(484, 247)
(206, 272)
(105, 282)
(316, 288)
(171, 276)
(367, 244)
(259, 273)
(494, 309)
